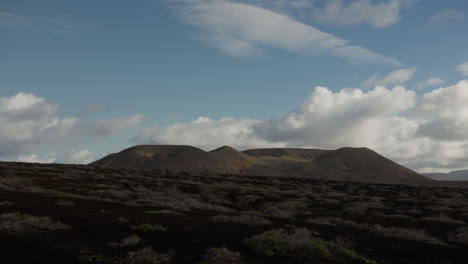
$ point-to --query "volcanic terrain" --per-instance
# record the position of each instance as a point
(349, 164)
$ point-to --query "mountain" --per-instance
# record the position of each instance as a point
(350, 164)
(459, 175)
(181, 158)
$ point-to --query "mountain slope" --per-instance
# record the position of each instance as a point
(459, 175)
(185, 158)
(351, 164)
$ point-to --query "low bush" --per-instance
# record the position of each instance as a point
(126, 242)
(419, 235)
(300, 245)
(18, 223)
(6, 203)
(442, 218)
(241, 219)
(147, 256)
(123, 220)
(148, 227)
(220, 256)
(65, 203)
(459, 236)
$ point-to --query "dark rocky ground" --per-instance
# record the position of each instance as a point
(84, 214)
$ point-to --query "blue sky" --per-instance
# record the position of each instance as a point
(81, 79)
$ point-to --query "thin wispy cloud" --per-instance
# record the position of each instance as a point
(41, 23)
(243, 30)
(377, 14)
(430, 82)
(393, 78)
(463, 69)
(449, 15)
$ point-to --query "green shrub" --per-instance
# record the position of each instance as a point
(148, 227)
(6, 203)
(146, 256)
(126, 242)
(299, 245)
(220, 256)
(18, 223)
(153, 212)
(123, 220)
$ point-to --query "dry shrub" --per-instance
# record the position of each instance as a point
(286, 209)
(241, 219)
(65, 203)
(459, 236)
(419, 235)
(147, 256)
(442, 218)
(300, 245)
(18, 223)
(330, 221)
(126, 242)
(399, 217)
(438, 208)
(360, 208)
(6, 203)
(247, 201)
(221, 256)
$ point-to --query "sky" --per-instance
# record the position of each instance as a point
(82, 79)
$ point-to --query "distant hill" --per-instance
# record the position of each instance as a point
(459, 175)
(350, 164)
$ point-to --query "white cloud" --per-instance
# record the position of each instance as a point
(430, 82)
(41, 23)
(396, 77)
(77, 157)
(28, 123)
(10, 20)
(446, 113)
(206, 133)
(380, 14)
(447, 16)
(427, 133)
(244, 30)
(36, 159)
(463, 69)
(65, 156)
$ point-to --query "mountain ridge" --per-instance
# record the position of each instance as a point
(349, 164)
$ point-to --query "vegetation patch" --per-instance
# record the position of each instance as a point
(6, 203)
(126, 242)
(300, 245)
(220, 256)
(148, 227)
(18, 223)
(241, 219)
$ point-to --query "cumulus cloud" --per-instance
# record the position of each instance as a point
(449, 15)
(65, 156)
(427, 133)
(377, 14)
(430, 82)
(463, 69)
(28, 123)
(207, 133)
(330, 119)
(396, 77)
(446, 112)
(245, 30)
